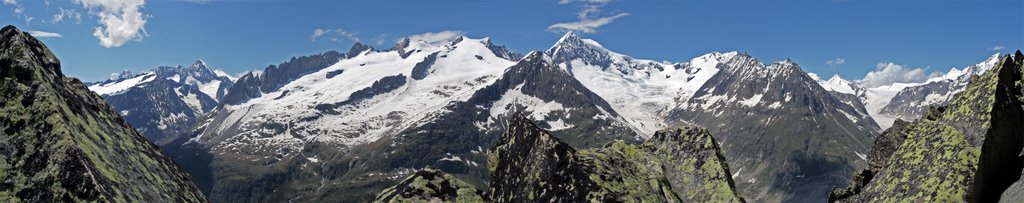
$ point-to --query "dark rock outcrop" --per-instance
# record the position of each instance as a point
(529, 165)
(431, 185)
(970, 151)
(273, 77)
(63, 143)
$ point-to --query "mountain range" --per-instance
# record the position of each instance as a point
(347, 125)
(166, 101)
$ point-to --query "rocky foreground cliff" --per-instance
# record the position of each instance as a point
(63, 143)
(528, 164)
(968, 151)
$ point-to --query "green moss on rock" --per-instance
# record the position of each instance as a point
(63, 143)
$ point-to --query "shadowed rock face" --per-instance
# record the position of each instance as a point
(528, 164)
(63, 143)
(274, 76)
(970, 151)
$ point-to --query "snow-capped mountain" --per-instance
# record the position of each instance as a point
(777, 127)
(166, 101)
(381, 107)
(743, 102)
(908, 101)
(356, 100)
(641, 90)
(339, 123)
(911, 102)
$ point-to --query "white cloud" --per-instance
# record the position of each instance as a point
(836, 62)
(585, 1)
(36, 33)
(66, 14)
(887, 73)
(437, 37)
(19, 11)
(380, 39)
(121, 21)
(587, 18)
(334, 35)
(997, 48)
(585, 25)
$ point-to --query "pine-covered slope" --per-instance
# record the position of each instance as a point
(967, 151)
(63, 143)
(528, 164)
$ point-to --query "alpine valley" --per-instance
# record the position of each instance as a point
(463, 119)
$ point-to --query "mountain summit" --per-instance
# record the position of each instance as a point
(62, 143)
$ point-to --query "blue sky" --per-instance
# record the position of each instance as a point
(248, 35)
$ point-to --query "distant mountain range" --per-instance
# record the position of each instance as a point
(908, 101)
(348, 125)
(167, 101)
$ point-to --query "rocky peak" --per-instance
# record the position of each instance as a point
(357, 48)
(18, 44)
(529, 165)
(199, 64)
(125, 74)
(501, 51)
(571, 47)
(457, 40)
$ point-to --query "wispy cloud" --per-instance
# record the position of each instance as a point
(381, 39)
(997, 48)
(19, 11)
(334, 35)
(36, 33)
(887, 73)
(588, 19)
(836, 62)
(66, 14)
(120, 21)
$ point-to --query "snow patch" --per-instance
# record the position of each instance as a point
(113, 88)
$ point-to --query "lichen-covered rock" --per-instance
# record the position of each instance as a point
(63, 143)
(626, 173)
(431, 185)
(680, 165)
(694, 165)
(528, 164)
(884, 146)
(935, 163)
(969, 151)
